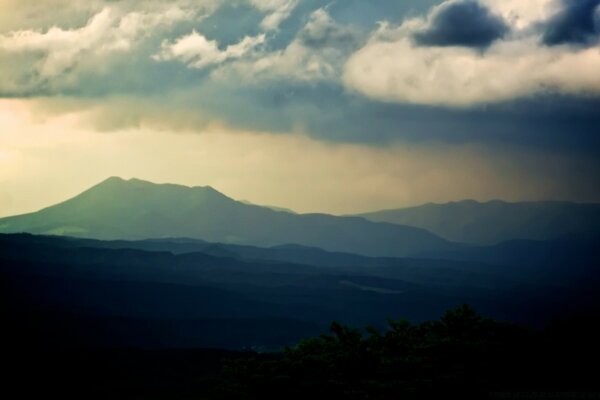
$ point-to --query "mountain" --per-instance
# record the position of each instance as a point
(274, 208)
(135, 209)
(496, 221)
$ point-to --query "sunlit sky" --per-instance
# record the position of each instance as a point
(336, 106)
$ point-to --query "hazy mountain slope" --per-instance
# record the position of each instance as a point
(496, 221)
(40, 276)
(562, 261)
(134, 209)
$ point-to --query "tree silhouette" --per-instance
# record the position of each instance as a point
(462, 354)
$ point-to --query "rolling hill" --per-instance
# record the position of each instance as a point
(76, 292)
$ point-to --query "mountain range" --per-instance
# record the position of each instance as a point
(136, 209)
(496, 221)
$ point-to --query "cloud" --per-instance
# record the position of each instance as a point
(516, 91)
(71, 14)
(322, 31)
(316, 53)
(34, 59)
(278, 11)
(521, 15)
(218, 25)
(391, 67)
(196, 51)
(61, 49)
(462, 23)
(578, 22)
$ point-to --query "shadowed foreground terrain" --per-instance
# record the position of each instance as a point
(461, 354)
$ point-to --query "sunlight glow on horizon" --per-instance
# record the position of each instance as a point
(48, 160)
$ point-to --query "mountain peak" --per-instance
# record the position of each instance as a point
(118, 179)
(135, 182)
(112, 179)
(138, 194)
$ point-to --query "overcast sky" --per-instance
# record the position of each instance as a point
(336, 106)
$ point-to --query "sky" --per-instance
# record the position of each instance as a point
(338, 106)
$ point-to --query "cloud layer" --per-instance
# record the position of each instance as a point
(432, 60)
(461, 53)
(486, 74)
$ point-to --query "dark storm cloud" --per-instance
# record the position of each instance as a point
(327, 112)
(577, 23)
(557, 123)
(465, 23)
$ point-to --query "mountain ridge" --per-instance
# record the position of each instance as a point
(136, 209)
(496, 221)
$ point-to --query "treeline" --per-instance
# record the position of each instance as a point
(462, 355)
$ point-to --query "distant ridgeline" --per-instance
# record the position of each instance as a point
(134, 209)
(469, 221)
(187, 293)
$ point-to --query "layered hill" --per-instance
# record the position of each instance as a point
(82, 292)
(136, 209)
(496, 221)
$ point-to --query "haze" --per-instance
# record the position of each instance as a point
(300, 105)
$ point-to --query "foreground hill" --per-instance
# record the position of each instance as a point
(135, 209)
(492, 222)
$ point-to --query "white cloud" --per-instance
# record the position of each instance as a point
(523, 14)
(277, 11)
(69, 14)
(57, 50)
(197, 51)
(61, 48)
(391, 67)
(317, 53)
